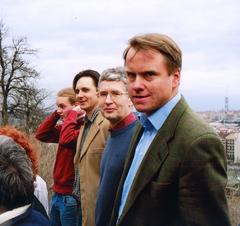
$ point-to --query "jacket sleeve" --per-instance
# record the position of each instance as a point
(70, 129)
(48, 131)
(202, 199)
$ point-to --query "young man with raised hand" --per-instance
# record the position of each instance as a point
(62, 127)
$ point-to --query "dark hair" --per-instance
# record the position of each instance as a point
(86, 73)
(23, 140)
(16, 176)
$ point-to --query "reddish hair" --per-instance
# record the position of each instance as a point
(24, 141)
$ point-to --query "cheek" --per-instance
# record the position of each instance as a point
(101, 103)
(129, 89)
(68, 108)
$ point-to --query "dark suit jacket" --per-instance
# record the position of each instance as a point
(182, 178)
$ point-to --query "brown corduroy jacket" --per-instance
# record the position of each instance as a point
(88, 160)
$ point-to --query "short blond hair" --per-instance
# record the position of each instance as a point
(68, 92)
(162, 43)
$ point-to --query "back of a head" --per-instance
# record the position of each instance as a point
(16, 176)
(86, 73)
(161, 43)
(24, 141)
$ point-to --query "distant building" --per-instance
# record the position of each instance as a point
(232, 147)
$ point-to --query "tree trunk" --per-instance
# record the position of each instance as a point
(4, 113)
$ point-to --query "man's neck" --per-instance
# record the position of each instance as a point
(123, 122)
(90, 113)
(114, 123)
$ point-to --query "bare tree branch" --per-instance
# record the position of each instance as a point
(18, 92)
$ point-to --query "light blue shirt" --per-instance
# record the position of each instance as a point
(151, 125)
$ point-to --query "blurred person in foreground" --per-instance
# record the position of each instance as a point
(62, 127)
(115, 106)
(16, 187)
(175, 172)
(40, 199)
(90, 145)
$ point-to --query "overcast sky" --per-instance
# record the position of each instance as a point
(75, 35)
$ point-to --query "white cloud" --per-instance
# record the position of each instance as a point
(75, 35)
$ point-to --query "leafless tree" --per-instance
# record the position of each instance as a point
(30, 108)
(17, 91)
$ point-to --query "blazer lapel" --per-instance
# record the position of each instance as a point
(91, 134)
(78, 151)
(152, 162)
(154, 158)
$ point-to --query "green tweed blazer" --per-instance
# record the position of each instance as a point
(181, 180)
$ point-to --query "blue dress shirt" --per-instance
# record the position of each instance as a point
(151, 125)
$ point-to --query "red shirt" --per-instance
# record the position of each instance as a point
(65, 135)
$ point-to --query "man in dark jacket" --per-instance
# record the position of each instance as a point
(175, 173)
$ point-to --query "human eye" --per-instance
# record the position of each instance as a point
(148, 75)
(85, 90)
(103, 94)
(61, 106)
(115, 93)
(130, 75)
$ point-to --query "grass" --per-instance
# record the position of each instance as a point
(47, 156)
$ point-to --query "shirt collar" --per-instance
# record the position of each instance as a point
(156, 119)
(124, 122)
(91, 119)
(8, 215)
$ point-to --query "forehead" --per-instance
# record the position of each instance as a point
(85, 82)
(62, 100)
(111, 85)
(144, 59)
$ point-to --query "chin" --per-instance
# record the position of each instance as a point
(109, 117)
(84, 107)
(140, 109)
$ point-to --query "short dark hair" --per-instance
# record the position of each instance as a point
(86, 73)
(16, 176)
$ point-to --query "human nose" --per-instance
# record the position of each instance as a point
(108, 98)
(59, 110)
(138, 83)
(79, 94)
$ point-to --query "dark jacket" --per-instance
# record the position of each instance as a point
(29, 218)
(181, 180)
